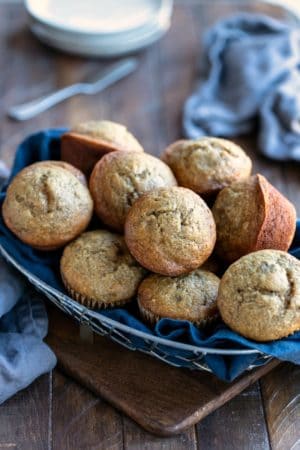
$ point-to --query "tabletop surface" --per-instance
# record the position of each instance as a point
(55, 412)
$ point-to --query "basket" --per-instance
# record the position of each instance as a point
(174, 353)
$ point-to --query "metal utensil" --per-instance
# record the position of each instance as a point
(109, 76)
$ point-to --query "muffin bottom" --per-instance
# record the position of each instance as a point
(152, 318)
(92, 302)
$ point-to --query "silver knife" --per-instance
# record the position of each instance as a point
(109, 76)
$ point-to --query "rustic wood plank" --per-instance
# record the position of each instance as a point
(82, 421)
(239, 424)
(177, 56)
(281, 398)
(24, 419)
(138, 384)
(137, 438)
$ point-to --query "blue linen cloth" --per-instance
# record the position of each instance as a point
(23, 325)
(251, 76)
(46, 145)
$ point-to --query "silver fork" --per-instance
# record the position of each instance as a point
(109, 76)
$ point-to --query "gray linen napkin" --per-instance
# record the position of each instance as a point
(23, 325)
(251, 76)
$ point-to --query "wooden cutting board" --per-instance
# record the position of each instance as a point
(162, 399)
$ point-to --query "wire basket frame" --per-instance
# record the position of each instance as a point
(177, 354)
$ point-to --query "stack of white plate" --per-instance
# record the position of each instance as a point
(104, 28)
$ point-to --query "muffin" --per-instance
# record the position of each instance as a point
(207, 164)
(119, 178)
(259, 295)
(170, 231)
(252, 215)
(190, 297)
(76, 172)
(87, 142)
(46, 206)
(98, 270)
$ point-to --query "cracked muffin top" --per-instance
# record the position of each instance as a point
(252, 215)
(98, 270)
(170, 231)
(259, 295)
(111, 132)
(208, 164)
(120, 178)
(190, 297)
(64, 165)
(46, 206)
(87, 142)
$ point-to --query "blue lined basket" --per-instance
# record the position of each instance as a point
(177, 354)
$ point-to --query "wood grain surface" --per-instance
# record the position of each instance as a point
(55, 412)
(160, 398)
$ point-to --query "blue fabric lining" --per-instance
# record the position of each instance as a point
(46, 145)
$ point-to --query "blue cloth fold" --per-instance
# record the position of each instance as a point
(250, 75)
(23, 325)
(46, 145)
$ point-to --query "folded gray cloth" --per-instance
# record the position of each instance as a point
(23, 325)
(251, 75)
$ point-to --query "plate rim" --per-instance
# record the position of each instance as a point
(164, 10)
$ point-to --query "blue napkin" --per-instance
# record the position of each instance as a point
(23, 325)
(46, 145)
(251, 76)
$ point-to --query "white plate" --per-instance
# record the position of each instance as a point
(94, 16)
(97, 47)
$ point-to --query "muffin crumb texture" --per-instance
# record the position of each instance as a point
(259, 295)
(108, 131)
(170, 231)
(208, 164)
(88, 142)
(47, 206)
(120, 178)
(98, 270)
(190, 297)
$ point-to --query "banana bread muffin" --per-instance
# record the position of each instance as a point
(207, 164)
(170, 231)
(119, 178)
(98, 270)
(190, 297)
(46, 206)
(76, 172)
(87, 142)
(259, 295)
(252, 215)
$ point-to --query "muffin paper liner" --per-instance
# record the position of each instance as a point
(91, 302)
(152, 318)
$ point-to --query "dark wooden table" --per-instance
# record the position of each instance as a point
(55, 412)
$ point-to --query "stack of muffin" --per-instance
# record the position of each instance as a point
(157, 237)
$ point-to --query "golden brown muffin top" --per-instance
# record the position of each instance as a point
(120, 178)
(47, 206)
(64, 165)
(170, 231)
(190, 297)
(110, 132)
(259, 295)
(99, 266)
(251, 215)
(207, 164)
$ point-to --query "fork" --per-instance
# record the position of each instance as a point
(109, 76)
